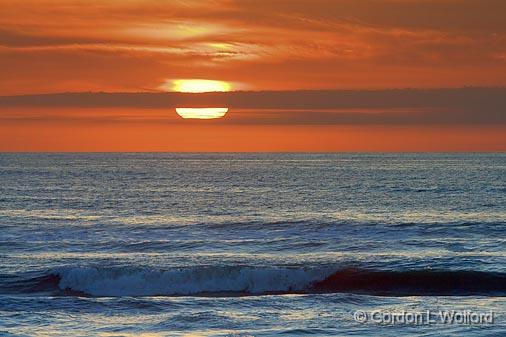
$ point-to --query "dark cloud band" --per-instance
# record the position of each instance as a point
(350, 107)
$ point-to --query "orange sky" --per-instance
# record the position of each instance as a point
(49, 46)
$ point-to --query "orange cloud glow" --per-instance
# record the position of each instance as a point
(56, 46)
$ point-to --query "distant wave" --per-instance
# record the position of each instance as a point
(243, 281)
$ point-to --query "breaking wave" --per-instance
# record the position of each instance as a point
(243, 281)
(187, 281)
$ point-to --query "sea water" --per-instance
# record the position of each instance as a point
(173, 244)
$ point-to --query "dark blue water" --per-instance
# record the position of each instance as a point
(250, 244)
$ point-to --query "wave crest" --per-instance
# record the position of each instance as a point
(244, 280)
(187, 281)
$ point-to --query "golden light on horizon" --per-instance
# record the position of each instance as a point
(200, 86)
(201, 113)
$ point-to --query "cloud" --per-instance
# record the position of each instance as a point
(467, 106)
(54, 46)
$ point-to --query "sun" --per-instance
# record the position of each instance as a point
(201, 113)
(200, 86)
(196, 86)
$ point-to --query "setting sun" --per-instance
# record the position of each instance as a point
(201, 113)
(200, 86)
(196, 86)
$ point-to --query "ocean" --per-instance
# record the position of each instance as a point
(247, 244)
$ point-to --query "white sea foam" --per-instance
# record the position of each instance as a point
(187, 281)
